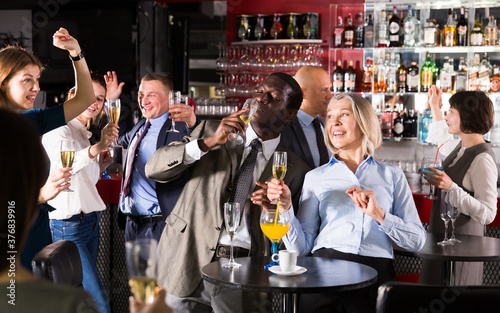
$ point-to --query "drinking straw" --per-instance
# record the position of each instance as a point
(437, 152)
(277, 210)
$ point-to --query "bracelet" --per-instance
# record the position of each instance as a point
(78, 57)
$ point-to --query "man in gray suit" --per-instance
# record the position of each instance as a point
(194, 234)
(304, 135)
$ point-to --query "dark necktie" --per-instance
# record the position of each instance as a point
(130, 161)
(323, 152)
(244, 176)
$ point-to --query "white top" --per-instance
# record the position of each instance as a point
(193, 152)
(84, 197)
(480, 178)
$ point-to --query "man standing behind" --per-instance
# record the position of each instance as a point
(195, 235)
(304, 135)
(146, 203)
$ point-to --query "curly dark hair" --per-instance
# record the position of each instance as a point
(476, 111)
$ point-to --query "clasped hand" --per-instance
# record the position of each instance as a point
(366, 201)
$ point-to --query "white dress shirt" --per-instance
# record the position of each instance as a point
(193, 153)
(480, 178)
(84, 197)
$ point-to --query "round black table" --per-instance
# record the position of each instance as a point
(321, 275)
(471, 249)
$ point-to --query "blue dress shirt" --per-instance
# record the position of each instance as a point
(306, 122)
(328, 218)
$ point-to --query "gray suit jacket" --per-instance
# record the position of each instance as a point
(193, 228)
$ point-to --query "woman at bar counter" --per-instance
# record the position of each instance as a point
(75, 215)
(352, 207)
(469, 169)
(19, 75)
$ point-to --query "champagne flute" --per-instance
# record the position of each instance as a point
(431, 162)
(173, 98)
(279, 168)
(232, 217)
(453, 213)
(246, 117)
(67, 156)
(446, 202)
(142, 262)
(114, 110)
(274, 224)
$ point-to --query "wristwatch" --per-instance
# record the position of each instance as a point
(78, 57)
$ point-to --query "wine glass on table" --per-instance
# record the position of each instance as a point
(142, 263)
(232, 217)
(431, 162)
(279, 168)
(446, 203)
(274, 224)
(246, 117)
(174, 97)
(453, 213)
(67, 156)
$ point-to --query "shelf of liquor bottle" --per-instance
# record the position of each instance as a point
(456, 49)
(277, 42)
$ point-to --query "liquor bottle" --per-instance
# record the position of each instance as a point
(410, 124)
(474, 74)
(432, 34)
(450, 31)
(291, 29)
(445, 76)
(495, 79)
(491, 32)
(398, 128)
(368, 76)
(461, 84)
(381, 74)
(411, 29)
(368, 32)
(394, 28)
(392, 68)
(451, 67)
(387, 122)
(349, 32)
(462, 29)
(242, 30)
(476, 34)
(359, 32)
(412, 77)
(383, 31)
(350, 78)
(426, 73)
(484, 74)
(401, 75)
(338, 33)
(338, 78)
(434, 69)
(424, 125)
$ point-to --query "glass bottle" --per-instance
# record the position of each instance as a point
(445, 76)
(350, 78)
(432, 34)
(451, 67)
(412, 77)
(242, 30)
(291, 31)
(338, 33)
(424, 125)
(381, 74)
(383, 31)
(450, 31)
(307, 30)
(495, 79)
(359, 32)
(462, 29)
(398, 128)
(349, 32)
(368, 32)
(476, 34)
(390, 65)
(387, 122)
(434, 69)
(410, 124)
(411, 29)
(401, 75)
(484, 74)
(338, 78)
(394, 28)
(461, 84)
(426, 73)
(474, 74)
(368, 76)
(491, 31)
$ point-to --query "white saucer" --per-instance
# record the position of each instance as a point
(298, 270)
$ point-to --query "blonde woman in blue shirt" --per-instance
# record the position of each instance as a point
(353, 207)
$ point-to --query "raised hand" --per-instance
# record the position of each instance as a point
(113, 88)
(180, 112)
(228, 125)
(63, 40)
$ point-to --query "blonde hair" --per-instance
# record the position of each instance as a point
(366, 119)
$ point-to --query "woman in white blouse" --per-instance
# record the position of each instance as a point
(76, 214)
(469, 169)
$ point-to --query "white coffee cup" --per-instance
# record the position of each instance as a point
(288, 260)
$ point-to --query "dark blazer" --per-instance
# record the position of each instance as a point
(292, 136)
(193, 228)
(167, 193)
